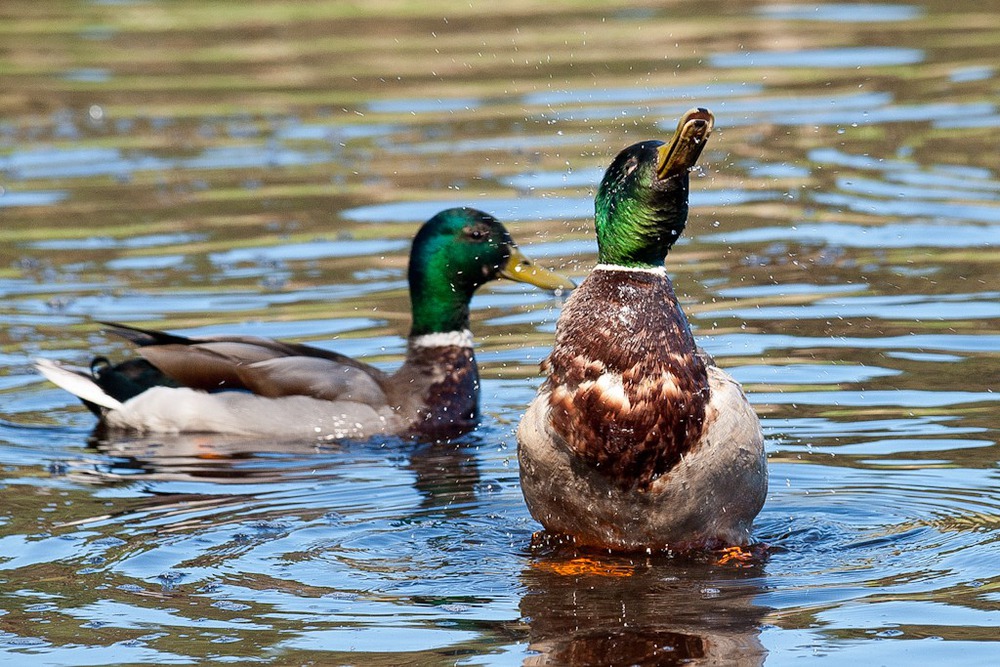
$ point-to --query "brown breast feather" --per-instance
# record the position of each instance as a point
(627, 325)
(438, 388)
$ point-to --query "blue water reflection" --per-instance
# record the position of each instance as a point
(899, 235)
(11, 198)
(843, 57)
(530, 208)
(846, 12)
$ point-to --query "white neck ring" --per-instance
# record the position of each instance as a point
(461, 338)
(657, 270)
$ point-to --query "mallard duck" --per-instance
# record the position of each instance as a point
(636, 439)
(261, 387)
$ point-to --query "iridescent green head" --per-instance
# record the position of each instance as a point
(453, 254)
(642, 203)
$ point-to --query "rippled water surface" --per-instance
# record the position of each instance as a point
(260, 168)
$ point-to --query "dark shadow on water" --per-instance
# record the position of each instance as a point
(600, 609)
(445, 474)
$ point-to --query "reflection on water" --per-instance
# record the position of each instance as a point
(604, 611)
(259, 169)
(837, 58)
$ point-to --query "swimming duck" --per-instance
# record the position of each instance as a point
(636, 439)
(261, 387)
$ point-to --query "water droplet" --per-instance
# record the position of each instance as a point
(890, 633)
(130, 588)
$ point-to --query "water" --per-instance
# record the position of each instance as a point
(260, 169)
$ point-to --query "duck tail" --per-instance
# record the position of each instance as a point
(78, 382)
(143, 337)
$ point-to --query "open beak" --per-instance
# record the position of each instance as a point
(523, 270)
(682, 151)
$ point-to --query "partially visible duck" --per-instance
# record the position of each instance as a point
(261, 387)
(636, 440)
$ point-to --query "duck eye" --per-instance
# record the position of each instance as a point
(631, 165)
(476, 233)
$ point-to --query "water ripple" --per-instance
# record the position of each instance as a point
(843, 57)
(891, 235)
(847, 12)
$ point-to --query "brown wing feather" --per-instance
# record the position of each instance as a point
(147, 338)
(261, 365)
(205, 366)
(279, 348)
(306, 376)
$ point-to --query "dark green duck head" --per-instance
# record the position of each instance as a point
(456, 252)
(642, 203)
